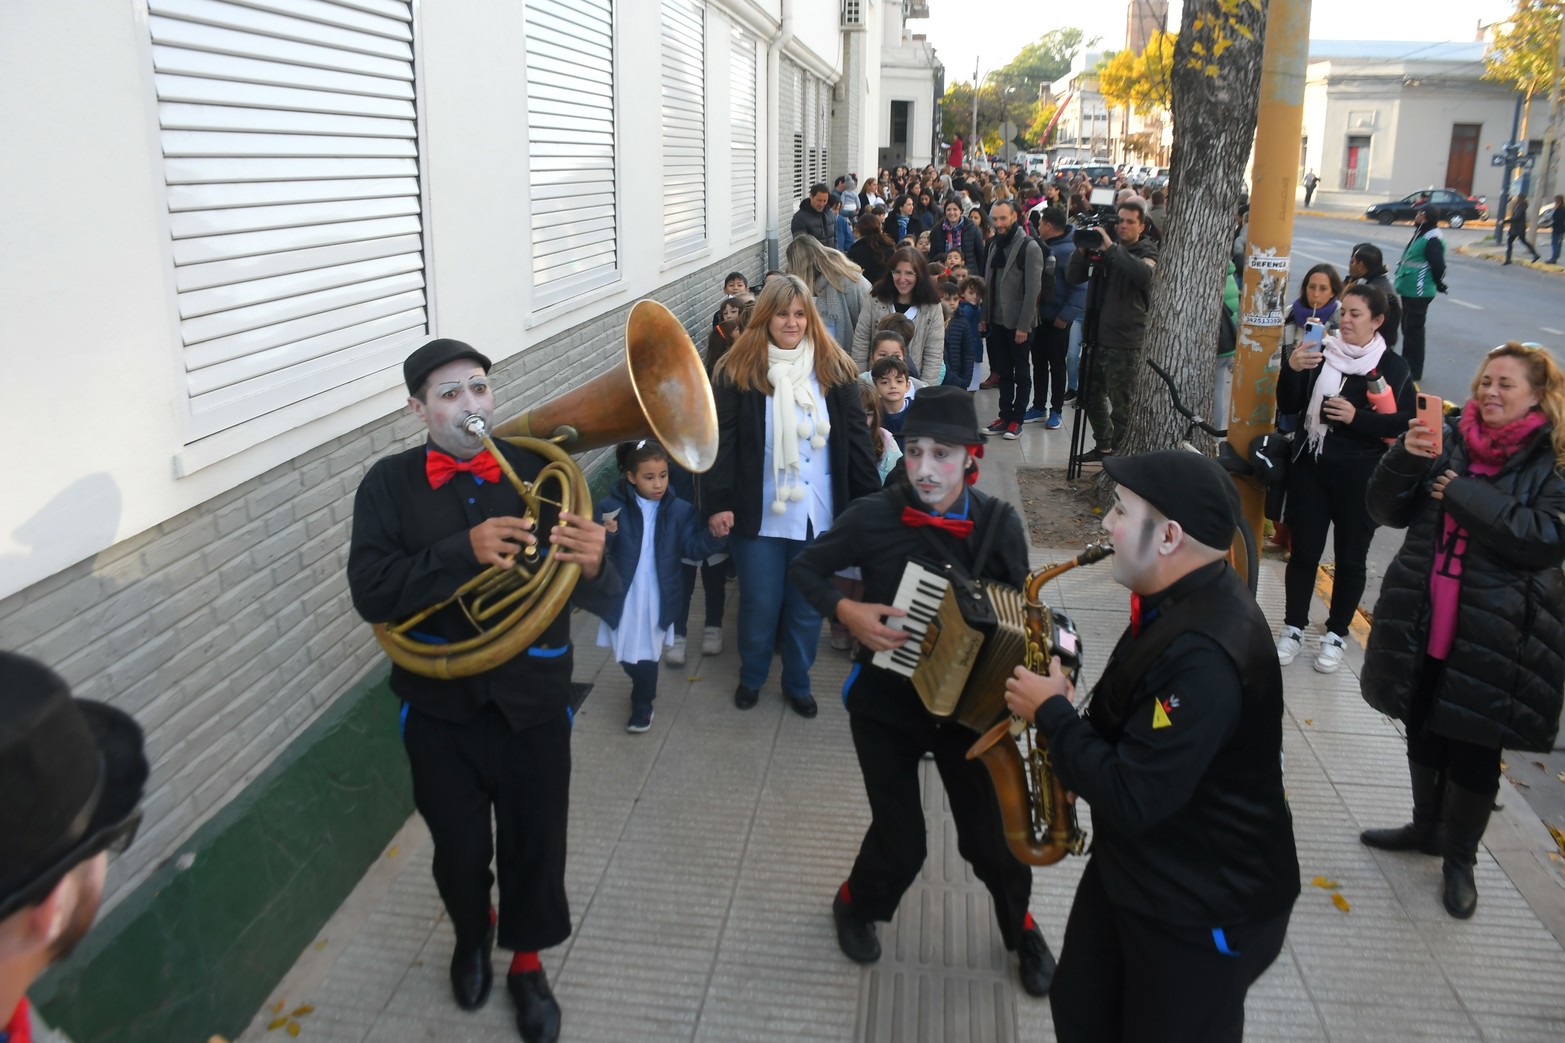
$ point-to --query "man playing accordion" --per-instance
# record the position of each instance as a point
(936, 515)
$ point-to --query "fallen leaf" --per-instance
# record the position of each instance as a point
(1325, 884)
(1309, 720)
(293, 1028)
(320, 945)
(392, 851)
(1561, 776)
(1336, 900)
(1519, 782)
(694, 677)
(277, 1006)
(1559, 837)
(277, 1023)
(1503, 766)
(300, 1012)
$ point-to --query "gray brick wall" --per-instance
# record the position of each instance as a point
(227, 629)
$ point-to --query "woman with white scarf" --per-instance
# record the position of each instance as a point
(794, 449)
(1340, 439)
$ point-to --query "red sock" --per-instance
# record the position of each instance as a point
(1028, 923)
(847, 898)
(493, 917)
(523, 962)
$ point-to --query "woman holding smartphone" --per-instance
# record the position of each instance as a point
(1327, 382)
(1468, 647)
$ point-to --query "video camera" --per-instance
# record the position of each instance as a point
(1104, 215)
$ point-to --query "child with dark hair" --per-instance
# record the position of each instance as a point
(734, 285)
(950, 297)
(891, 378)
(962, 341)
(887, 456)
(650, 529)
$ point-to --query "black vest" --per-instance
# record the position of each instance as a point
(1227, 856)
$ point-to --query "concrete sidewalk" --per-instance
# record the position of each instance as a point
(704, 856)
(1488, 250)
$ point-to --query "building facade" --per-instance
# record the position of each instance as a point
(1383, 119)
(234, 221)
(912, 82)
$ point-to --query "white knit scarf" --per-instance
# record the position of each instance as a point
(789, 374)
(1342, 360)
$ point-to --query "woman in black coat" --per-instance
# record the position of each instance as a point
(1468, 646)
(793, 450)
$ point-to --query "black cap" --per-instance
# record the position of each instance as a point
(82, 769)
(945, 414)
(435, 354)
(1188, 488)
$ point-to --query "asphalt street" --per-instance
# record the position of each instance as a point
(1488, 305)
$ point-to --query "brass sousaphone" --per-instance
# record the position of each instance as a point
(659, 390)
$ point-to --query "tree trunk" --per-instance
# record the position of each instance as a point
(1214, 108)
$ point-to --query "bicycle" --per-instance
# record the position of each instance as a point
(1243, 551)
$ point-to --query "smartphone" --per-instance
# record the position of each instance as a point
(1314, 334)
(1431, 414)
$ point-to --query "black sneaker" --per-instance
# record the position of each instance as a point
(856, 936)
(1070, 396)
(745, 698)
(640, 720)
(997, 427)
(1036, 963)
(1095, 455)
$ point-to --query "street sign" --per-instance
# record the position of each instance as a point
(1497, 161)
(1527, 164)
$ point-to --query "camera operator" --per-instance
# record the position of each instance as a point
(1128, 259)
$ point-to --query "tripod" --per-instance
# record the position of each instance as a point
(1092, 311)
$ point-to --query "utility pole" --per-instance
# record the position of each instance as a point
(1513, 154)
(1265, 285)
(974, 135)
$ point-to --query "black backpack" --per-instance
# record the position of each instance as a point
(1051, 266)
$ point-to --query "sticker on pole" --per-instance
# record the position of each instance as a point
(1267, 303)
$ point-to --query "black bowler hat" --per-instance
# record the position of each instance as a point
(72, 773)
(945, 414)
(435, 354)
(1188, 488)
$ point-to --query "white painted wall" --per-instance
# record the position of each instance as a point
(86, 283)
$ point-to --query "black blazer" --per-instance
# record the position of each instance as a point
(734, 482)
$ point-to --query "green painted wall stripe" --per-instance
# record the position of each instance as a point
(196, 951)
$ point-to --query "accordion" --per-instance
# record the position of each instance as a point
(965, 640)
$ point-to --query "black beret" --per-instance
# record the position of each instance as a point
(1188, 488)
(419, 365)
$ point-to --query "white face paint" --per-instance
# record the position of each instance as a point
(454, 392)
(937, 471)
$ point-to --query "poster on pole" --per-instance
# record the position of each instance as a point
(1266, 305)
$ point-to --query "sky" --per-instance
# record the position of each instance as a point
(963, 31)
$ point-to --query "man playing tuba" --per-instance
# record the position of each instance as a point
(1193, 873)
(425, 521)
(891, 729)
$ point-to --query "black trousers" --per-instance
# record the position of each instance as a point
(713, 578)
(894, 849)
(1127, 977)
(1049, 345)
(1012, 363)
(1473, 767)
(1414, 311)
(1321, 495)
(1511, 237)
(643, 681)
(463, 773)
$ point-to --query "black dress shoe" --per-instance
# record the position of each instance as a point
(472, 975)
(855, 935)
(537, 1012)
(1037, 963)
(744, 698)
(803, 705)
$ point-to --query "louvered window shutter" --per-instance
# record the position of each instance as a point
(743, 117)
(290, 153)
(570, 116)
(684, 126)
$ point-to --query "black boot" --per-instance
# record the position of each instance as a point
(537, 1013)
(855, 935)
(1465, 815)
(1036, 963)
(1423, 833)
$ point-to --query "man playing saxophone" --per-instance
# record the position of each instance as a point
(1193, 874)
(425, 521)
(891, 729)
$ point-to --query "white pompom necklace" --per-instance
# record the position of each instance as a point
(789, 371)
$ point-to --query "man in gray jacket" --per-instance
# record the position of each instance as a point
(814, 218)
(1128, 263)
(1014, 273)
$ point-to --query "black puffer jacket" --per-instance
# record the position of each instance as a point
(1502, 684)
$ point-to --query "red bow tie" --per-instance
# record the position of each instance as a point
(958, 527)
(441, 467)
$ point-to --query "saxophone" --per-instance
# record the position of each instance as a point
(1039, 822)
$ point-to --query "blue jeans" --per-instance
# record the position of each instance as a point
(765, 597)
(1073, 357)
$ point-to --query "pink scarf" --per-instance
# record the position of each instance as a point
(1490, 447)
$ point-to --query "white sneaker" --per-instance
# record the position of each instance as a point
(1289, 645)
(1330, 655)
(675, 653)
(712, 641)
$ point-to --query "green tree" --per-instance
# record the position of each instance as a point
(1011, 91)
(1523, 48)
(1044, 60)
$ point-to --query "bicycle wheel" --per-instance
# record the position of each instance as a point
(1244, 556)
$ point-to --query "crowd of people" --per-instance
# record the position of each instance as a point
(849, 443)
